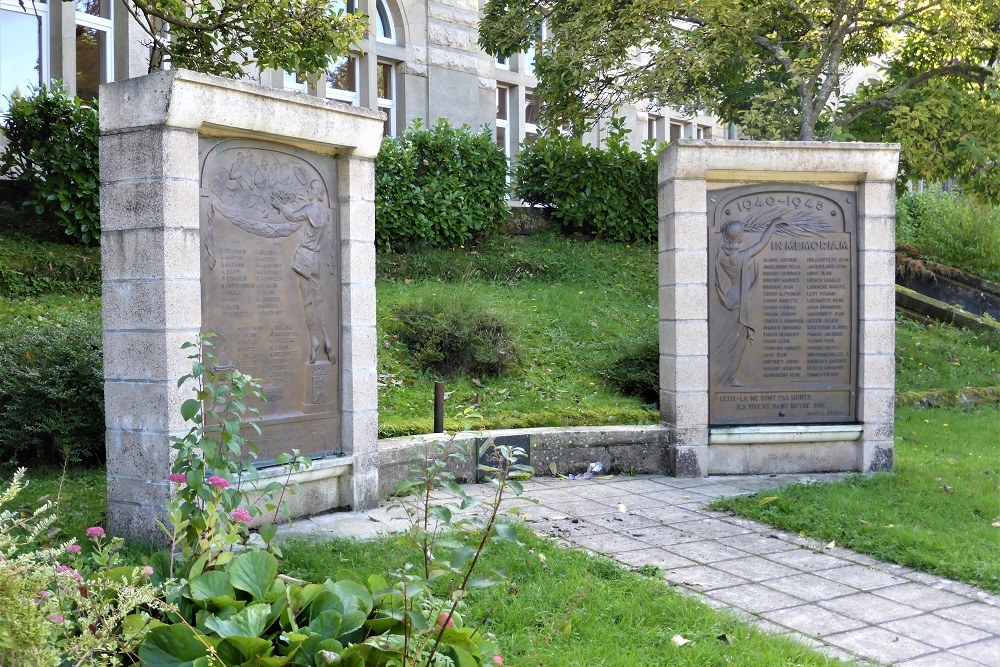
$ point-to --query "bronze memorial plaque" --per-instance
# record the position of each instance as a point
(783, 305)
(270, 284)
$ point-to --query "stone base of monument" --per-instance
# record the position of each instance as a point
(249, 213)
(777, 291)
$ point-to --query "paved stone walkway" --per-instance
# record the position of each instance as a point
(843, 603)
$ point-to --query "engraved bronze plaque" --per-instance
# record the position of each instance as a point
(783, 305)
(270, 284)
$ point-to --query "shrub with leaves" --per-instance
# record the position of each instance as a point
(951, 228)
(51, 391)
(449, 337)
(52, 149)
(441, 186)
(637, 372)
(604, 192)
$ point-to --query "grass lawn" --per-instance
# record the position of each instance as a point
(936, 511)
(574, 609)
(573, 308)
(938, 356)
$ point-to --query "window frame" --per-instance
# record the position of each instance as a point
(42, 15)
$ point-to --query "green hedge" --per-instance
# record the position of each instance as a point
(952, 229)
(442, 186)
(53, 153)
(51, 390)
(29, 267)
(604, 192)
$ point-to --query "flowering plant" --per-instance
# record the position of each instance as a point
(216, 490)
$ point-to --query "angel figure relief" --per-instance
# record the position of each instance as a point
(276, 199)
(736, 274)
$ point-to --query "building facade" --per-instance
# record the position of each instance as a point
(421, 59)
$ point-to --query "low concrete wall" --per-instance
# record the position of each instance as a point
(621, 449)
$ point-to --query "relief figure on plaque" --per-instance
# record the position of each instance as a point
(310, 265)
(273, 195)
(736, 274)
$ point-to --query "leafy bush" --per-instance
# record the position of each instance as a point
(448, 337)
(605, 192)
(52, 150)
(51, 391)
(637, 372)
(952, 229)
(442, 186)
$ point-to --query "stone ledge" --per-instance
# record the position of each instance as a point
(746, 435)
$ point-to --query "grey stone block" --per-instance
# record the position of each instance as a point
(155, 204)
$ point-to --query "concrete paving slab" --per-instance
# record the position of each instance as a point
(861, 577)
(702, 578)
(875, 643)
(977, 614)
(813, 621)
(924, 597)
(936, 631)
(986, 652)
(869, 608)
(810, 587)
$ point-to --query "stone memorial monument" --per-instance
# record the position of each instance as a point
(777, 306)
(249, 213)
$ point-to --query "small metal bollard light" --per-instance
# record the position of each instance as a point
(439, 407)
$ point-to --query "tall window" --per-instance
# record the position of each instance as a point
(530, 119)
(23, 57)
(541, 35)
(93, 46)
(655, 127)
(387, 97)
(342, 80)
(503, 120)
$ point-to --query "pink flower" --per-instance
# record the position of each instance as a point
(445, 620)
(148, 570)
(66, 569)
(240, 514)
(45, 595)
(57, 619)
(177, 477)
(498, 660)
(95, 531)
(73, 548)
(218, 482)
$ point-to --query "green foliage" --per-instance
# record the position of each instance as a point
(29, 268)
(637, 372)
(776, 68)
(451, 337)
(951, 228)
(228, 36)
(604, 192)
(51, 390)
(52, 150)
(442, 186)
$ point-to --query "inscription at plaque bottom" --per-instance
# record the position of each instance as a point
(782, 305)
(270, 284)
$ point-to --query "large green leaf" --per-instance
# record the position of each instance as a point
(238, 650)
(253, 572)
(173, 646)
(327, 624)
(249, 622)
(208, 585)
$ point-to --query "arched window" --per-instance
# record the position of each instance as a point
(385, 27)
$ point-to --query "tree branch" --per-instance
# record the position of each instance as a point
(970, 73)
